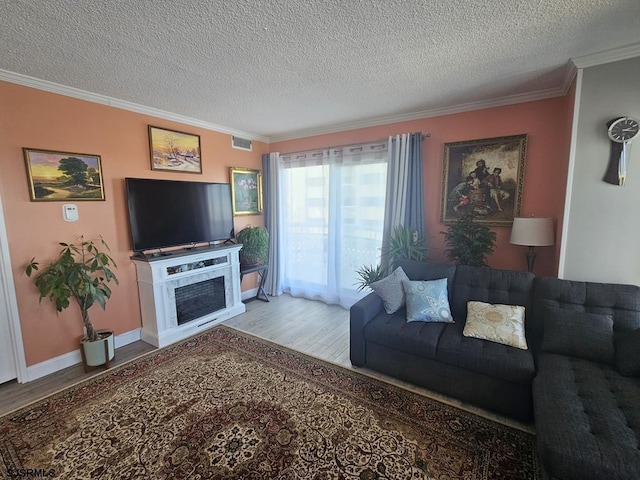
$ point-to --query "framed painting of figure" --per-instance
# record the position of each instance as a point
(484, 176)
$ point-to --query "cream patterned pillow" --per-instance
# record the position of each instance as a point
(496, 323)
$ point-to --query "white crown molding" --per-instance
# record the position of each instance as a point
(607, 56)
(571, 74)
(599, 58)
(435, 112)
(52, 87)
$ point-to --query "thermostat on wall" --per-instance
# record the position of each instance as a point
(70, 212)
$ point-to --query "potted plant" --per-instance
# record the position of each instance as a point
(82, 273)
(405, 244)
(470, 242)
(255, 245)
(369, 274)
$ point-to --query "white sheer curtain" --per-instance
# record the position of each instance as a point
(333, 204)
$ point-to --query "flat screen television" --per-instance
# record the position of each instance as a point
(169, 213)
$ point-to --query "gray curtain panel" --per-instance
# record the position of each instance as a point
(405, 189)
(273, 282)
(414, 210)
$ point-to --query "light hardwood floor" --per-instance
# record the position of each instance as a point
(307, 326)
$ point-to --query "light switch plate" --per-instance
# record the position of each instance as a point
(70, 212)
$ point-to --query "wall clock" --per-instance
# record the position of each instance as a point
(621, 131)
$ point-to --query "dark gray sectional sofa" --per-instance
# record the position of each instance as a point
(569, 382)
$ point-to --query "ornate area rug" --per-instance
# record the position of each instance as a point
(227, 405)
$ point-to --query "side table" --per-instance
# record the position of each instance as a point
(262, 276)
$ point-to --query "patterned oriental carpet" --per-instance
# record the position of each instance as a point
(227, 405)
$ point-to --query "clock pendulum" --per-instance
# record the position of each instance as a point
(621, 131)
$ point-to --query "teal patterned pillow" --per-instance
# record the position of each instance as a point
(427, 301)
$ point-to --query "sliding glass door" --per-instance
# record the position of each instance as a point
(333, 211)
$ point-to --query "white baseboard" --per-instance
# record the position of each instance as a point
(249, 294)
(128, 337)
(55, 364)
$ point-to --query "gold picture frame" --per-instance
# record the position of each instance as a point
(174, 151)
(55, 176)
(485, 176)
(246, 191)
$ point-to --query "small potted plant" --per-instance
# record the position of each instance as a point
(255, 246)
(82, 273)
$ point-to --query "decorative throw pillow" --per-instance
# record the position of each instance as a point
(427, 301)
(578, 334)
(628, 353)
(390, 290)
(496, 323)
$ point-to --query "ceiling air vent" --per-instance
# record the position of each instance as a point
(241, 143)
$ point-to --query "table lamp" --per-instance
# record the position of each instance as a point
(532, 232)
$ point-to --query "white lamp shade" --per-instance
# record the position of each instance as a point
(532, 231)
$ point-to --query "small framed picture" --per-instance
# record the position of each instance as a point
(174, 151)
(484, 176)
(246, 191)
(55, 176)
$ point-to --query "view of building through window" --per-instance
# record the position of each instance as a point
(333, 221)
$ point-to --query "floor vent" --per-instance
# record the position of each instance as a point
(241, 143)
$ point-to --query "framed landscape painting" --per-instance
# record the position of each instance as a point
(174, 151)
(246, 191)
(60, 176)
(484, 176)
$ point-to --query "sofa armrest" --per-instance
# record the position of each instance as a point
(360, 313)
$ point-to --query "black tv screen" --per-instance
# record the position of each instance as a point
(168, 213)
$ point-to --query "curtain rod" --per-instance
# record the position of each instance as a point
(426, 135)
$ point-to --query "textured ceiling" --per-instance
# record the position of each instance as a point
(280, 69)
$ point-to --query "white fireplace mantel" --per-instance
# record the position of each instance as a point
(159, 276)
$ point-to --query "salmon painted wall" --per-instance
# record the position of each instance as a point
(548, 126)
(37, 119)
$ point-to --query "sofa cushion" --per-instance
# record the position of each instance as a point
(393, 331)
(489, 358)
(427, 270)
(587, 419)
(622, 302)
(390, 290)
(489, 285)
(628, 353)
(427, 301)
(578, 334)
(497, 323)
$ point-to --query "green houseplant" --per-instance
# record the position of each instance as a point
(368, 274)
(404, 244)
(81, 273)
(255, 245)
(469, 242)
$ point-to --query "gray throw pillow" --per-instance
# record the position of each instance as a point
(427, 301)
(578, 334)
(390, 290)
(628, 353)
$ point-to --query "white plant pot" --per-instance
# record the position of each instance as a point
(94, 352)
